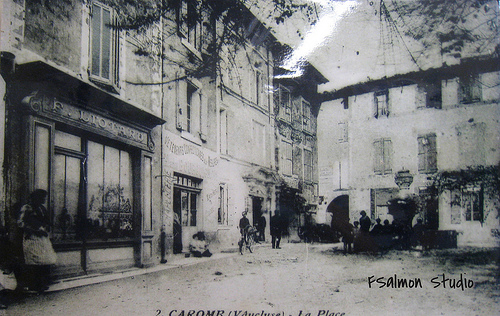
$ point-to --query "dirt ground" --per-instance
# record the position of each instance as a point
(297, 280)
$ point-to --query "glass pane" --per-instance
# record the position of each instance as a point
(95, 181)
(184, 208)
(106, 43)
(96, 40)
(193, 209)
(67, 182)
(42, 156)
(68, 141)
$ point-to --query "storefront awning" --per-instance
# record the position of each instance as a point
(40, 75)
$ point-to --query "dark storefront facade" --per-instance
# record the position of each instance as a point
(94, 154)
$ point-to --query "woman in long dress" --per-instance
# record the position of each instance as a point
(38, 253)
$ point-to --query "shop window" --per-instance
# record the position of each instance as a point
(383, 156)
(470, 88)
(42, 156)
(99, 177)
(109, 196)
(466, 205)
(427, 153)
(186, 195)
(381, 104)
(286, 158)
(104, 41)
(308, 165)
(223, 216)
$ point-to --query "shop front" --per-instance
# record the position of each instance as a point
(94, 154)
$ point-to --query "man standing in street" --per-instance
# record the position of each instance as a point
(276, 226)
(262, 227)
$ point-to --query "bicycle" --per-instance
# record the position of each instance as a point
(248, 238)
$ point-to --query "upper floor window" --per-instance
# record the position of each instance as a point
(383, 155)
(427, 153)
(381, 104)
(470, 88)
(308, 165)
(191, 110)
(286, 158)
(306, 116)
(189, 23)
(429, 95)
(284, 103)
(103, 45)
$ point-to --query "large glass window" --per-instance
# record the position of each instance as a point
(93, 195)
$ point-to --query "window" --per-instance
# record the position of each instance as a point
(259, 142)
(297, 161)
(308, 165)
(381, 103)
(189, 23)
(427, 153)
(189, 107)
(186, 193)
(306, 116)
(383, 155)
(343, 133)
(470, 89)
(103, 45)
(467, 205)
(286, 158)
(223, 132)
(429, 95)
(223, 217)
(283, 101)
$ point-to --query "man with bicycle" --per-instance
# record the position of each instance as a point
(244, 225)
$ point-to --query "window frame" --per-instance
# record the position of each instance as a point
(427, 153)
(469, 88)
(114, 48)
(379, 110)
(382, 164)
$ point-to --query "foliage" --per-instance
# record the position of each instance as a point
(452, 25)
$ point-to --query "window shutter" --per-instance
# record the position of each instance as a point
(387, 156)
(181, 118)
(203, 117)
(432, 153)
(378, 163)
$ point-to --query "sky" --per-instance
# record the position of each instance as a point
(351, 43)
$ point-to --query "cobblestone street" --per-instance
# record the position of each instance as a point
(295, 280)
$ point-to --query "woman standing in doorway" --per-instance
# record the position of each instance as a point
(38, 253)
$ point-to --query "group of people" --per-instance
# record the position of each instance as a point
(361, 236)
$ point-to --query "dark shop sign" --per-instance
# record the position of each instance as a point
(86, 119)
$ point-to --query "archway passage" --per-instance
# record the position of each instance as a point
(339, 208)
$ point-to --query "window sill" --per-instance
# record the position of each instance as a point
(190, 137)
(191, 48)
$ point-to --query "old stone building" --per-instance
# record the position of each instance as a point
(144, 128)
(428, 139)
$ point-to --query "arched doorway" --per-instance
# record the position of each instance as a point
(339, 207)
